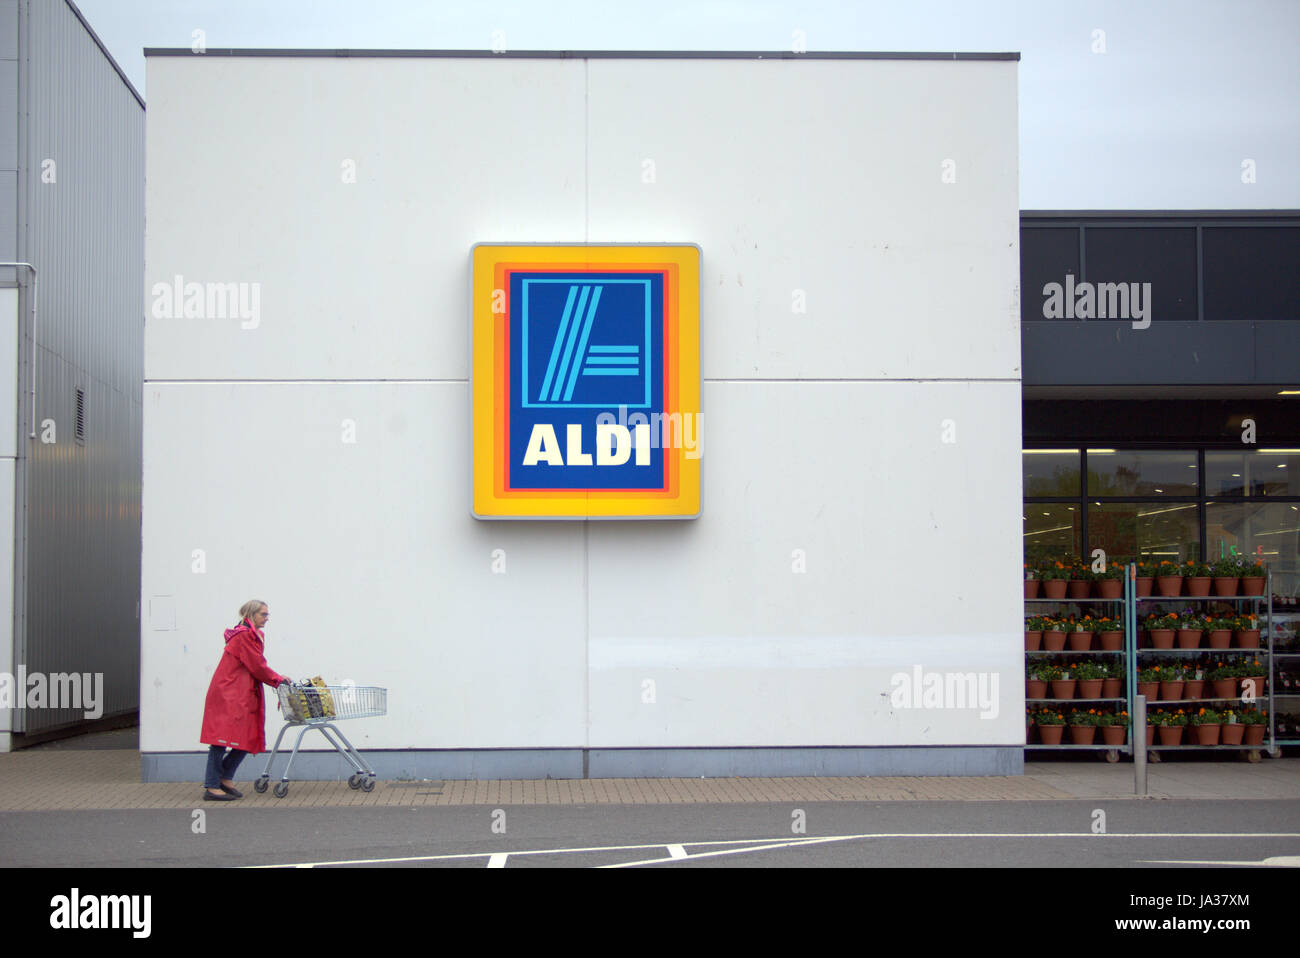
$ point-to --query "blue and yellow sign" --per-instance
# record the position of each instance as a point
(585, 378)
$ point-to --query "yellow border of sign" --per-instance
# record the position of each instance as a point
(485, 428)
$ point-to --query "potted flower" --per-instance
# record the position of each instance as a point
(1252, 578)
(1153, 723)
(1029, 725)
(1148, 680)
(1223, 680)
(1112, 683)
(1256, 722)
(1171, 682)
(1110, 582)
(1114, 727)
(1090, 676)
(1079, 634)
(1206, 722)
(1083, 726)
(1061, 681)
(1146, 572)
(1031, 583)
(1161, 629)
(1053, 634)
(1170, 726)
(1109, 632)
(1190, 628)
(1169, 578)
(1055, 576)
(1227, 575)
(1193, 682)
(1231, 729)
(1220, 632)
(1051, 726)
(1251, 672)
(1035, 683)
(1080, 580)
(1247, 630)
(1197, 576)
(1033, 633)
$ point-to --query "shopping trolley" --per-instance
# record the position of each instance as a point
(318, 707)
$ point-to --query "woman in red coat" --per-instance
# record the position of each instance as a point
(234, 715)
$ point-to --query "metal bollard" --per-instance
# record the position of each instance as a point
(1140, 745)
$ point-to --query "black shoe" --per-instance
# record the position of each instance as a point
(231, 790)
(209, 797)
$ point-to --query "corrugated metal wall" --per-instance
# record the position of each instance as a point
(85, 234)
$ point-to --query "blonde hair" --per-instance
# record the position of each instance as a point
(250, 608)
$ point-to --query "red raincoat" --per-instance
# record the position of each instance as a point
(234, 714)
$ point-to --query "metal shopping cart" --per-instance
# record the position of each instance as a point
(316, 706)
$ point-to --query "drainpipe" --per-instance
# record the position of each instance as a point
(33, 269)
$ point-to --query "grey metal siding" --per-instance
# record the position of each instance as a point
(85, 234)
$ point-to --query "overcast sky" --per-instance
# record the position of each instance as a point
(1127, 104)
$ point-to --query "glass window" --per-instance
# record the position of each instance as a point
(1124, 473)
(1251, 273)
(1159, 530)
(1051, 472)
(1269, 532)
(1052, 530)
(1266, 472)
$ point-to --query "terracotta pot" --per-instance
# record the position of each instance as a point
(1193, 688)
(1162, 638)
(1079, 641)
(1110, 688)
(1054, 588)
(1035, 689)
(1150, 689)
(1079, 588)
(1144, 584)
(1252, 585)
(1248, 638)
(1170, 734)
(1225, 585)
(1114, 734)
(1171, 691)
(1053, 640)
(1090, 688)
(1207, 735)
(1231, 734)
(1051, 734)
(1031, 588)
(1151, 735)
(1029, 732)
(1111, 641)
(1063, 689)
(1110, 588)
(1220, 638)
(1169, 585)
(1033, 640)
(1199, 585)
(1255, 734)
(1225, 688)
(1082, 734)
(1189, 638)
(1254, 684)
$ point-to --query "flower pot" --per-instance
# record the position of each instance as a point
(1090, 688)
(1054, 588)
(1080, 641)
(1199, 585)
(1252, 685)
(1254, 735)
(1031, 588)
(1170, 734)
(1162, 638)
(1207, 735)
(1189, 638)
(1231, 734)
(1171, 691)
(1051, 734)
(1220, 638)
(1054, 640)
(1248, 638)
(1225, 585)
(1169, 585)
(1114, 734)
(1149, 689)
(1225, 688)
(1029, 732)
(1063, 689)
(1079, 588)
(1193, 688)
(1033, 640)
(1151, 735)
(1252, 585)
(1035, 689)
(1110, 588)
(1111, 641)
(1110, 688)
(1082, 734)
(1144, 584)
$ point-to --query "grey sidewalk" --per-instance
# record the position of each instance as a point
(102, 771)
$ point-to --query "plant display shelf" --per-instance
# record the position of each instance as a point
(1293, 659)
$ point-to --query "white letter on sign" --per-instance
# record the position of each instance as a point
(613, 445)
(576, 456)
(542, 445)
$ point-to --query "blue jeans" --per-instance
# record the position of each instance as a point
(221, 765)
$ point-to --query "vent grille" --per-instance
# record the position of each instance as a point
(81, 415)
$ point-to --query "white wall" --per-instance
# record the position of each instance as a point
(8, 472)
(823, 430)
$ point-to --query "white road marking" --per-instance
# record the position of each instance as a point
(726, 851)
(1275, 861)
(676, 851)
(497, 860)
(760, 843)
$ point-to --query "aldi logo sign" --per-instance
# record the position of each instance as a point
(586, 381)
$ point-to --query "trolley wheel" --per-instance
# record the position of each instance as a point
(368, 785)
(354, 781)
(260, 785)
(1251, 755)
(1154, 758)
(1112, 755)
(1275, 753)
(281, 789)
